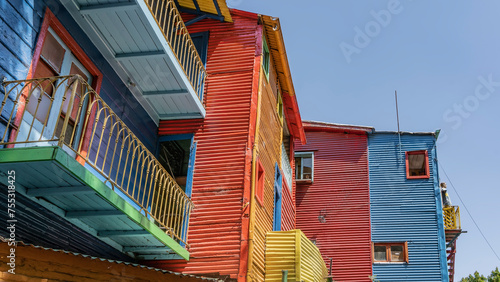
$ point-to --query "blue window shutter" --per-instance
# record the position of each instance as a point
(278, 182)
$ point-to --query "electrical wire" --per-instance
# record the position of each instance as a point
(467, 210)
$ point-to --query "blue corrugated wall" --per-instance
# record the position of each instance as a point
(406, 210)
(20, 22)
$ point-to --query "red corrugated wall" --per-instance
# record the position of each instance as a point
(288, 207)
(341, 192)
(223, 155)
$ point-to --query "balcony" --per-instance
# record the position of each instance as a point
(148, 45)
(452, 229)
(74, 156)
(292, 253)
(451, 215)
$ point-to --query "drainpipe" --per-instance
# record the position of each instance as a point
(252, 186)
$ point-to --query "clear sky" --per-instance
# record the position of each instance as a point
(443, 57)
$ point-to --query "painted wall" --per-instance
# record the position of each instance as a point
(269, 142)
(406, 209)
(340, 192)
(20, 23)
(224, 139)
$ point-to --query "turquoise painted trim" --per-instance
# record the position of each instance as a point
(175, 137)
(440, 218)
(80, 172)
(278, 182)
(189, 186)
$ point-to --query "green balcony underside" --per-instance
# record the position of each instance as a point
(54, 179)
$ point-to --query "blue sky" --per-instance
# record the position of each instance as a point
(443, 58)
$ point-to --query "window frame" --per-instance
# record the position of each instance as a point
(260, 176)
(388, 258)
(50, 20)
(266, 57)
(427, 168)
(300, 155)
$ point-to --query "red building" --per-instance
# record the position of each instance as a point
(333, 200)
(242, 182)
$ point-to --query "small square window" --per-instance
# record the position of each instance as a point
(390, 252)
(259, 182)
(417, 164)
(304, 166)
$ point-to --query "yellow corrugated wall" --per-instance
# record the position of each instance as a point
(313, 266)
(269, 153)
(292, 251)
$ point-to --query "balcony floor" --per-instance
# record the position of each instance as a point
(56, 181)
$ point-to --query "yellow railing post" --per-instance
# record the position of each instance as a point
(174, 30)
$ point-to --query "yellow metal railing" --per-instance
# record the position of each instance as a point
(451, 216)
(293, 252)
(170, 22)
(65, 111)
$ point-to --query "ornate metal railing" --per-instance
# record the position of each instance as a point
(65, 111)
(451, 216)
(170, 22)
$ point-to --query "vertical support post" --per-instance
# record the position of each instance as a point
(284, 276)
(68, 111)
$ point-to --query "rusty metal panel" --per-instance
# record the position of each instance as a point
(218, 185)
(334, 210)
(292, 251)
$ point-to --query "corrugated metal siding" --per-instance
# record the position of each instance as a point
(20, 23)
(312, 267)
(218, 184)
(404, 210)
(292, 251)
(39, 226)
(288, 211)
(269, 153)
(341, 192)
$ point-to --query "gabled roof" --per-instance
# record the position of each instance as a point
(277, 49)
(336, 127)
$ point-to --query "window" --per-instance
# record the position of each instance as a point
(304, 166)
(175, 153)
(417, 164)
(279, 107)
(259, 183)
(390, 252)
(265, 57)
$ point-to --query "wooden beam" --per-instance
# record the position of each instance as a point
(139, 55)
(147, 249)
(56, 191)
(165, 92)
(158, 257)
(105, 8)
(82, 214)
(122, 233)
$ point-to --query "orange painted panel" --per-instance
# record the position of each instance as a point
(223, 154)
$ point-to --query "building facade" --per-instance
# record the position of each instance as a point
(371, 202)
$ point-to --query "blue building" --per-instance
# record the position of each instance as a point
(84, 87)
(409, 233)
